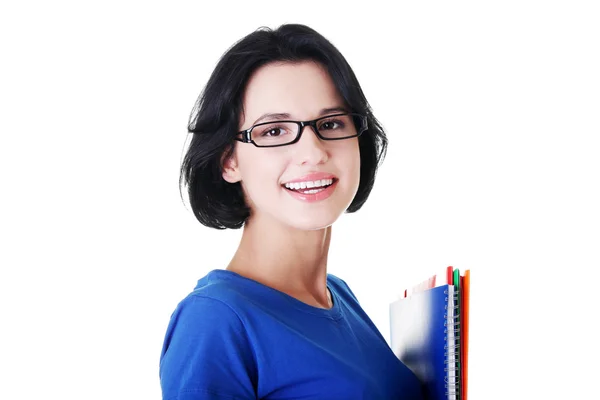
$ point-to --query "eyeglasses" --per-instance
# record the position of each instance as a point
(283, 133)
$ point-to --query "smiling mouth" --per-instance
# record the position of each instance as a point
(315, 187)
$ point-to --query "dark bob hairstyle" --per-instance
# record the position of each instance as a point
(214, 121)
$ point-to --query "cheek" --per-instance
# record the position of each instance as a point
(352, 163)
(259, 174)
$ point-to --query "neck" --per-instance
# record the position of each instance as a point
(287, 259)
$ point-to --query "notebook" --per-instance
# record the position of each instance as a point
(427, 335)
(466, 288)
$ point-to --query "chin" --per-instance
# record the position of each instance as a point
(312, 223)
(309, 218)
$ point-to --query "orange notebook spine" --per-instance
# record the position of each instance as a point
(466, 285)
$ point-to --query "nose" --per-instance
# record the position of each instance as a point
(310, 149)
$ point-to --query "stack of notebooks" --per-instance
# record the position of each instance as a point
(430, 333)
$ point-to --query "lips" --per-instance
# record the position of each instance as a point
(315, 176)
(309, 185)
(310, 197)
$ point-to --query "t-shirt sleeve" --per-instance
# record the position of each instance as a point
(206, 353)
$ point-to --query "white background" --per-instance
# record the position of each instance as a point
(492, 113)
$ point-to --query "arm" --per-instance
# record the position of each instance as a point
(206, 353)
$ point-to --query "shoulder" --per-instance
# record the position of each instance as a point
(203, 306)
(222, 295)
(342, 287)
(199, 321)
(210, 309)
(206, 347)
(217, 306)
(336, 280)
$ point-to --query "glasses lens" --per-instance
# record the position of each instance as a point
(334, 127)
(339, 126)
(274, 133)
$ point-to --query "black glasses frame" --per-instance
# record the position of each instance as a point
(301, 124)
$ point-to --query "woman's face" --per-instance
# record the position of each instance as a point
(302, 90)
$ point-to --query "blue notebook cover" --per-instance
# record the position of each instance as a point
(422, 332)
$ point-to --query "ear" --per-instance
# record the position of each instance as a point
(231, 170)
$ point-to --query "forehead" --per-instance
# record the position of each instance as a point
(300, 89)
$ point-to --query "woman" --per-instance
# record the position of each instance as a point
(284, 141)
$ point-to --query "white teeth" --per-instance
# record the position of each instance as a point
(309, 184)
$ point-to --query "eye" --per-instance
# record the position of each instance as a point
(273, 132)
(331, 124)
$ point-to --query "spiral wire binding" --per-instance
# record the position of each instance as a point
(452, 350)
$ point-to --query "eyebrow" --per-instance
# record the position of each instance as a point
(280, 116)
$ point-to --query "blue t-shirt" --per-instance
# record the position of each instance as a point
(236, 338)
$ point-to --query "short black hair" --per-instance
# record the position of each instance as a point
(214, 120)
